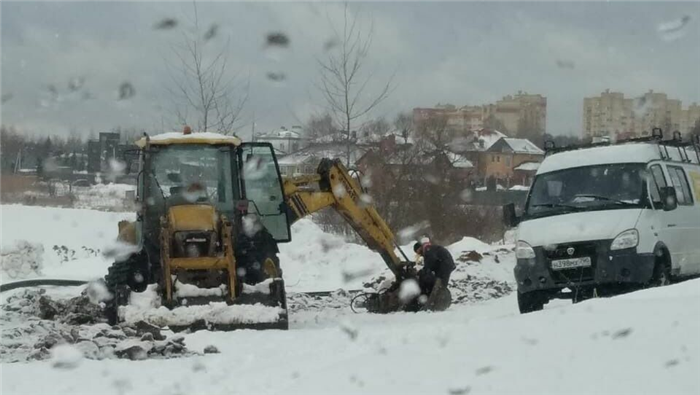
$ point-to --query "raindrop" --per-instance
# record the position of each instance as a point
(409, 290)
(76, 83)
(255, 168)
(566, 64)
(466, 195)
(277, 39)
(251, 225)
(166, 24)
(276, 76)
(674, 30)
(408, 233)
(366, 199)
(211, 32)
(330, 44)
(126, 91)
(339, 191)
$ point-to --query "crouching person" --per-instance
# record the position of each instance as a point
(434, 277)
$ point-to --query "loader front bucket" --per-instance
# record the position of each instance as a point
(262, 306)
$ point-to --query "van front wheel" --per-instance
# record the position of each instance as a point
(661, 275)
(531, 301)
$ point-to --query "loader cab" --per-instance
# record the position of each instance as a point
(237, 179)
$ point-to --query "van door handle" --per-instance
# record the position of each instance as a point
(671, 225)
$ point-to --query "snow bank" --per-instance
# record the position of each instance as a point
(72, 239)
(318, 261)
(598, 346)
(214, 313)
(22, 260)
(145, 306)
(190, 290)
(468, 244)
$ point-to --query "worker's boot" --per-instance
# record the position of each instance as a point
(440, 298)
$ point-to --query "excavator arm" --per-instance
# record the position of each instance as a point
(333, 186)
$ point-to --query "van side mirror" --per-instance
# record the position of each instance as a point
(668, 198)
(510, 219)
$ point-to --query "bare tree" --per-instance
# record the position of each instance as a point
(319, 126)
(344, 80)
(207, 97)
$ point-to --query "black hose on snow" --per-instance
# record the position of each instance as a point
(39, 282)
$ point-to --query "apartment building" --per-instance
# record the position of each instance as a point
(509, 115)
(613, 115)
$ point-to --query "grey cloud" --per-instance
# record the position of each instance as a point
(465, 53)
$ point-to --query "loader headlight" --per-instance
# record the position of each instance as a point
(524, 250)
(626, 239)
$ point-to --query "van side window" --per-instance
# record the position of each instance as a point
(658, 182)
(680, 182)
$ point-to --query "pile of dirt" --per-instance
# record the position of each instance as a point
(34, 323)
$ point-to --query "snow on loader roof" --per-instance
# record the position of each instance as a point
(192, 138)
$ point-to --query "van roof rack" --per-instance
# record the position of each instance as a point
(656, 137)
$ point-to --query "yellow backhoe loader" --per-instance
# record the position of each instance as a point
(212, 211)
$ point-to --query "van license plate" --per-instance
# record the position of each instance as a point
(571, 263)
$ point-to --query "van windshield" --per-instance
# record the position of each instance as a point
(600, 187)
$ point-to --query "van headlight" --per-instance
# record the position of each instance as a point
(626, 239)
(524, 250)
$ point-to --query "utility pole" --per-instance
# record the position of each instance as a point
(252, 132)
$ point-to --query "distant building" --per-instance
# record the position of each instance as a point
(283, 140)
(512, 160)
(612, 115)
(511, 114)
(102, 150)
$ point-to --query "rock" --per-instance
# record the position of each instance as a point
(129, 331)
(75, 334)
(49, 341)
(107, 352)
(471, 256)
(39, 354)
(148, 336)
(47, 308)
(89, 349)
(169, 350)
(135, 353)
(143, 327)
(210, 349)
(114, 334)
(179, 339)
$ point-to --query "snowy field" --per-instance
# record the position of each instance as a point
(642, 343)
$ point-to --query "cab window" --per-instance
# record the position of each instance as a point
(657, 181)
(262, 186)
(680, 182)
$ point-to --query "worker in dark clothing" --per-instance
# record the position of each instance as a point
(434, 277)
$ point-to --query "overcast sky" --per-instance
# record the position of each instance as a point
(461, 53)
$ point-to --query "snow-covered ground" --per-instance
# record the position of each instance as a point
(641, 343)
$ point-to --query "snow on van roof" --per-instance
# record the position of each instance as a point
(622, 153)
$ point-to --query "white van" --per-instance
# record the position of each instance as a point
(602, 219)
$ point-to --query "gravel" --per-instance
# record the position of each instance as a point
(38, 327)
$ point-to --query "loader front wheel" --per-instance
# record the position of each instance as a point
(120, 297)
